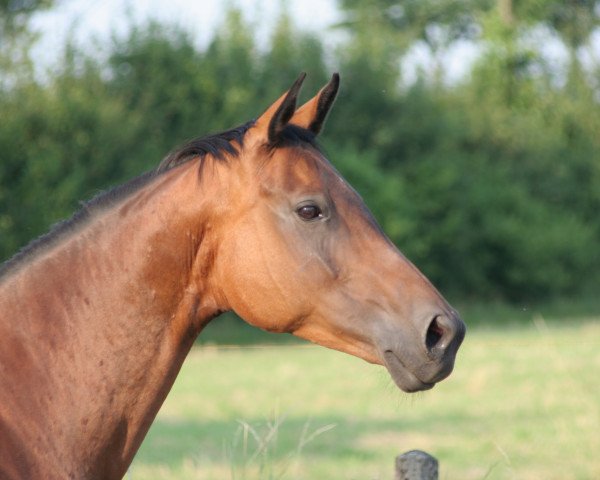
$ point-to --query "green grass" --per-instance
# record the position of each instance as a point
(522, 403)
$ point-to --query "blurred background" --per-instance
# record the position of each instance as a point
(470, 127)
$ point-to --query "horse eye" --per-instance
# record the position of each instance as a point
(309, 212)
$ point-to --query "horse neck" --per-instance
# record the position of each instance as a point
(102, 323)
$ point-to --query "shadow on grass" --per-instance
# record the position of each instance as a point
(173, 442)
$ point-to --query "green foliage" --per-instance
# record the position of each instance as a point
(436, 23)
(15, 15)
(60, 143)
(490, 185)
(480, 232)
(16, 39)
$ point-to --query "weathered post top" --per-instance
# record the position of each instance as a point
(416, 465)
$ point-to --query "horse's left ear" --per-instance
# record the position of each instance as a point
(312, 114)
(277, 116)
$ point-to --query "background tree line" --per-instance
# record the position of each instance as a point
(489, 183)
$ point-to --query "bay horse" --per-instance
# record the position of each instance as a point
(97, 316)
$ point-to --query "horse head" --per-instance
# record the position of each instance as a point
(299, 252)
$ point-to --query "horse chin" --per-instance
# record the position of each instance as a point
(404, 378)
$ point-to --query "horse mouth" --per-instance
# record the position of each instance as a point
(402, 376)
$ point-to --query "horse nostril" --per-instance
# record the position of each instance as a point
(434, 335)
(444, 335)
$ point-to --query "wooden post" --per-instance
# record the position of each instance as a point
(416, 465)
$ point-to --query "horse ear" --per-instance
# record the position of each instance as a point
(279, 114)
(312, 114)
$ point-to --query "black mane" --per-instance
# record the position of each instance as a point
(216, 145)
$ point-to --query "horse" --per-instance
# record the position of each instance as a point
(98, 315)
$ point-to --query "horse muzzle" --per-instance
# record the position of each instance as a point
(418, 364)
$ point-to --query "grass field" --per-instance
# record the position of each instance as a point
(522, 403)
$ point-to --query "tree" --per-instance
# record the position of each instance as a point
(403, 24)
(16, 38)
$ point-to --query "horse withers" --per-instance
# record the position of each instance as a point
(97, 316)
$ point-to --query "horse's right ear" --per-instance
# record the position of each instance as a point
(277, 116)
(312, 114)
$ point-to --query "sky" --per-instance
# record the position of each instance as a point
(86, 20)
